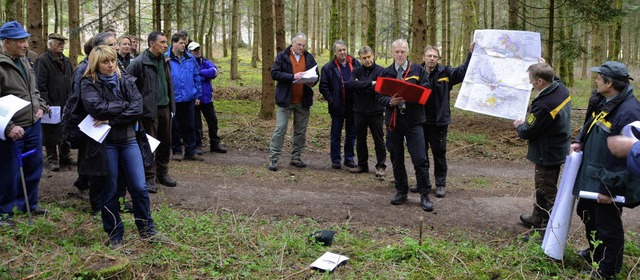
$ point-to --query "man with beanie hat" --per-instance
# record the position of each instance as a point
(23, 130)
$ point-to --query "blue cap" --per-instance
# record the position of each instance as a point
(13, 30)
(613, 69)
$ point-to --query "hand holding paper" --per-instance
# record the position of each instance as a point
(308, 76)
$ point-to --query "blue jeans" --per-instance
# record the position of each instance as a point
(300, 121)
(126, 157)
(337, 121)
(11, 193)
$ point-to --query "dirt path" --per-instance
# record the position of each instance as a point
(482, 196)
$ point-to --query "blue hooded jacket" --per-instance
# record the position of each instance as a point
(185, 75)
(208, 72)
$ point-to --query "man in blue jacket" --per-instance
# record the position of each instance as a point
(292, 98)
(208, 72)
(332, 87)
(187, 88)
(404, 122)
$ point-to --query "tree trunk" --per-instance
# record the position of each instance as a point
(305, 18)
(493, 14)
(514, 7)
(45, 19)
(234, 40)
(20, 11)
(167, 19)
(551, 34)
(445, 29)
(281, 42)
(223, 12)
(11, 9)
(202, 26)
(614, 52)
(363, 22)
(433, 23)
(255, 57)
(74, 31)
(133, 17)
(352, 26)
(268, 86)
(210, 36)
(334, 21)
(157, 10)
(585, 56)
(100, 17)
(371, 27)
(313, 33)
(198, 12)
(419, 30)
(397, 19)
(34, 26)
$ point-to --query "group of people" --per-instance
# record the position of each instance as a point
(136, 94)
(140, 92)
(347, 84)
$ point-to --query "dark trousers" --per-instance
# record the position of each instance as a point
(603, 222)
(375, 124)
(435, 137)
(208, 111)
(337, 122)
(61, 149)
(160, 128)
(546, 182)
(11, 192)
(183, 129)
(415, 144)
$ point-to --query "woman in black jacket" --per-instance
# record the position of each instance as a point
(111, 97)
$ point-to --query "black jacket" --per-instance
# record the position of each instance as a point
(146, 74)
(282, 73)
(122, 111)
(53, 78)
(364, 97)
(548, 126)
(442, 79)
(414, 112)
(333, 87)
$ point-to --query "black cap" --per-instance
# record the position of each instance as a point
(613, 69)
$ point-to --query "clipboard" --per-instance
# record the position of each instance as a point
(409, 92)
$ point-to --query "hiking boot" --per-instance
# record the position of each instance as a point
(440, 191)
(528, 221)
(155, 238)
(194, 157)
(199, 152)
(151, 186)
(358, 169)
(54, 166)
(273, 166)
(336, 165)
(380, 172)
(39, 211)
(426, 203)
(585, 254)
(218, 149)
(298, 163)
(7, 222)
(176, 157)
(115, 244)
(350, 164)
(127, 207)
(166, 180)
(399, 199)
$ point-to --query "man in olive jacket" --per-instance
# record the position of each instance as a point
(155, 85)
(22, 132)
(54, 72)
(548, 129)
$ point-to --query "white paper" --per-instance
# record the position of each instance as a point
(555, 237)
(329, 261)
(496, 82)
(97, 133)
(594, 196)
(627, 130)
(9, 105)
(308, 76)
(153, 142)
(53, 117)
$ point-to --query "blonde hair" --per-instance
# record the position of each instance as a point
(98, 55)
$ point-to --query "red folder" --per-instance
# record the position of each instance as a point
(409, 92)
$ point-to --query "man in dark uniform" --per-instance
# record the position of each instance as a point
(438, 112)
(601, 171)
(54, 75)
(368, 113)
(548, 129)
(405, 121)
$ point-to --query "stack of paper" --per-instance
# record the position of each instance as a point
(9, 105)
(97, 133)
(329, 261)
(308, 76)
(53, 116)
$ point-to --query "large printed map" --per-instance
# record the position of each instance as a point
(497, 82)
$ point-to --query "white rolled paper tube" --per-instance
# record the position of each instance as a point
(594, 196)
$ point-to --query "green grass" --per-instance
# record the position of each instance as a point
(224, 245)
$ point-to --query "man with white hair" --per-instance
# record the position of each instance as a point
(54, 72)
(292, 98)
(22, 134)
